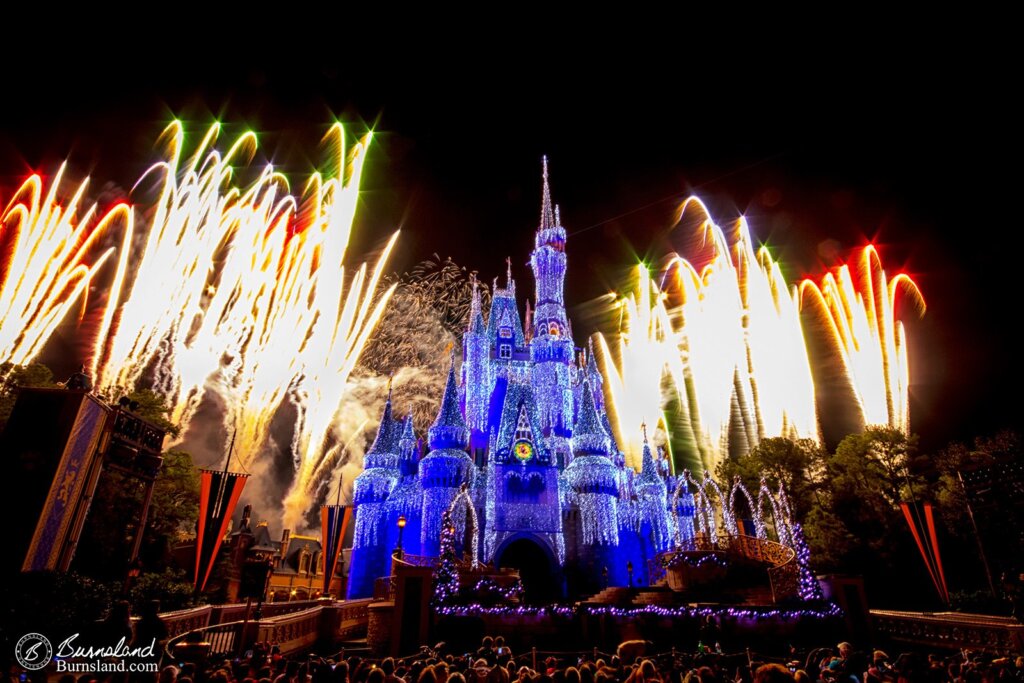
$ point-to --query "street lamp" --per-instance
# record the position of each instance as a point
(629, 570)
(401, 528)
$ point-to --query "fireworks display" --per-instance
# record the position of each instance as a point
(719, 354)
(241, 290)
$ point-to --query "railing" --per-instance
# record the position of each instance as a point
(353, 616)
(785, 581)
(418, 560)
(219, 640)
(385, 588)
(292, 632)
(296, 626)
(750, 547)
(184, 620)
(464, 565)
(950, 629)
(783, 572)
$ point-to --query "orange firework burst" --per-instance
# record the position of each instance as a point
(46, 269)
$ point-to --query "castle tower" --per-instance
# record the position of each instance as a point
(372, 488)
(594, 483)
(446, 468)
(475, 379)
(551, 345)
(652, 504)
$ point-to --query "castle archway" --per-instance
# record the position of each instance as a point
(537, 567)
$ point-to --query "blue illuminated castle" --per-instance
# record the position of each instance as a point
(524, 428)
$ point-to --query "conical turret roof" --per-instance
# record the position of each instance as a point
(589, 436)
(449, 429)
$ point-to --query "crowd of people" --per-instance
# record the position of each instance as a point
(633, 662)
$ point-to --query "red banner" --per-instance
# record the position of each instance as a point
(929, 518)
(219, 492)
(334, 521)
(929, 553)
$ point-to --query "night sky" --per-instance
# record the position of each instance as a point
(914, 156)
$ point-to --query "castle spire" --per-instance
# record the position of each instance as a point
(386, 439)
(408, 431)
(547, 216)
(648, 470)
(449, 429)
(476, 316)
(592, 368)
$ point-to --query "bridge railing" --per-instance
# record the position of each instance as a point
(216, 641)
(295, 627)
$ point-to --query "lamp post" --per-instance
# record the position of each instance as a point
(399, 553)
(604, 575)
(629, 570)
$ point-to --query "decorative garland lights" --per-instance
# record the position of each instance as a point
(477, 610)
(810, 589)
(446, 578)
(696, 561)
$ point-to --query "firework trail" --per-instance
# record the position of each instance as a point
(857, 314)
(725, 346)
(46, 270)
(244, 290)
(237, 290)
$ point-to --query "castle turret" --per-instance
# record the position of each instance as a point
(372, 488)
(475, 380)
(551, 345)
(653, 504)
(446, 468)
(594, 483)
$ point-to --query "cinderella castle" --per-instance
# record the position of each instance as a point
(522, 431)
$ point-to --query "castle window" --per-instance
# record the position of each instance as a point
(505, 331)
(553, 328)
(505, 351)
(303, 562)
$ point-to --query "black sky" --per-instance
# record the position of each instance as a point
(915, 154)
